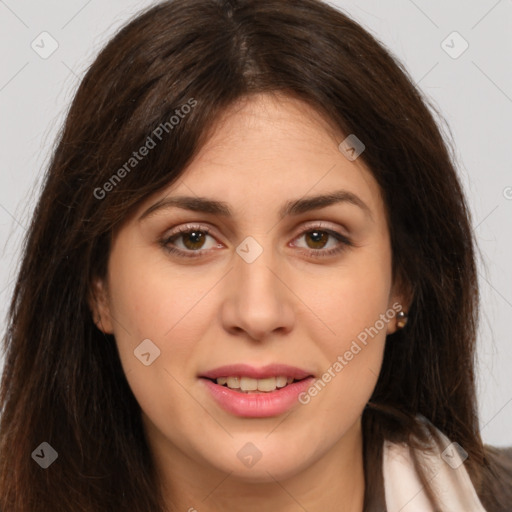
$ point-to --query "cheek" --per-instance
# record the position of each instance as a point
(353, 296)
(150, 302)
(353, 308)
(150, 295)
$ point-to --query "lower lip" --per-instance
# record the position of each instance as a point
(258, 405)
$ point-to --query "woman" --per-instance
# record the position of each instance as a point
(249, 282)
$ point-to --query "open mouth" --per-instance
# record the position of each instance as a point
(251, 385)
(249, 392)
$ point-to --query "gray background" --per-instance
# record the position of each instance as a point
(473, 93)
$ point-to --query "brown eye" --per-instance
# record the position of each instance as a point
(188, 241)
(317, 242)
(318, 238)
(193, 239)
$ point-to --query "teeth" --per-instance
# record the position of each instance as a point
(248, 384)
(268, 384)
(245, 384)
(281, 382)
(233, 382)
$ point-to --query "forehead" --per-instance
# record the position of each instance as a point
(262, 126)
(267, 149)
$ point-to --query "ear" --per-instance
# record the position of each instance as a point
(100, 306)
(400, 299)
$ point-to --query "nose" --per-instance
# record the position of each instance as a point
(258, 300)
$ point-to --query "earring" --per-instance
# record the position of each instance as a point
(401, 319)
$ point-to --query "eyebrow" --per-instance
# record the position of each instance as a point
(295, 207)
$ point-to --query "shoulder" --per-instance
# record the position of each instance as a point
(488, 488)
(438, 471)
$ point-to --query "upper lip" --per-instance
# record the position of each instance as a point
(245, 370)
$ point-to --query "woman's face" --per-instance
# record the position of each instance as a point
(279, 279)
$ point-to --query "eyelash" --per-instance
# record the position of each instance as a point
(320, 253)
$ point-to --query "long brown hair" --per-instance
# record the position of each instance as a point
(63, 382)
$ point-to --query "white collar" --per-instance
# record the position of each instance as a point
(447, 476)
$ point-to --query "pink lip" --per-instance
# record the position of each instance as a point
(258, 405)
(244, 370)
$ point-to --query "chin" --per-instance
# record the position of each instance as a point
(254, 463)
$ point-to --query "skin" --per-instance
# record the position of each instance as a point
(285, 307)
